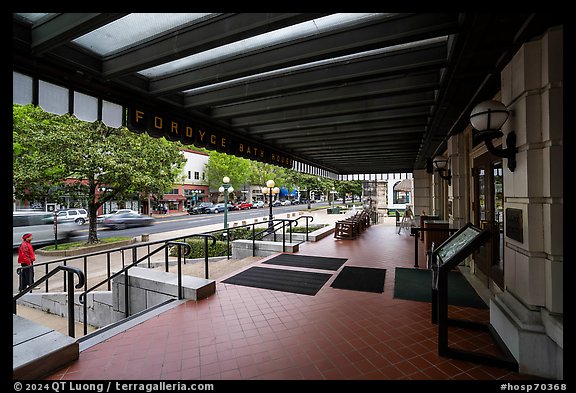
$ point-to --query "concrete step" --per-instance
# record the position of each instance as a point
(38, 350)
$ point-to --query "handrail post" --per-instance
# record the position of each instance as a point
(108, 271)
(227, 242)
(306, 228)
(71, 330)
(283, 236)
(85, 309)
(253, 240)
(206, 257)
(179, 273)
(166, 265)
(416, 237)
(126, 310)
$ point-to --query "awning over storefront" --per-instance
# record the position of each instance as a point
(404, 185)
(173, 197)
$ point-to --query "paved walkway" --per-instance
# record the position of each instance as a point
(245, 333)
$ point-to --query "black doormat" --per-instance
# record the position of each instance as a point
(416, 284)
(307, 261)
(306, 283)
(366, 279)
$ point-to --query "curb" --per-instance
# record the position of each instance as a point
(85, 250)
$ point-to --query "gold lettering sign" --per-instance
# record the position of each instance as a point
(191, 133)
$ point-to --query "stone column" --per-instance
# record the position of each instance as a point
(458, 193)
(528, 315)
(422, 198)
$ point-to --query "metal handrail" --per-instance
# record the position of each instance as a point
(163, 245)
(70, 273)
(124, 270)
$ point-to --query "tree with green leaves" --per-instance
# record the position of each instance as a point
(57, 155)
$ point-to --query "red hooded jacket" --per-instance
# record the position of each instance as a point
(26, 254)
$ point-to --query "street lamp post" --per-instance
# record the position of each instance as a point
(226, 188)
(333, 192)
(270, 190)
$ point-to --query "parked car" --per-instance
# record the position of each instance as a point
(203, 207)
(286, 202)
(243, 206)
(41, 225)
(258, 205)
(79, 216)
(219, 207)
(127, 220)
(101, 217)
(276, 203)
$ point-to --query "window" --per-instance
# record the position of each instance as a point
(401, 197)
(196, 175)
(189, 175)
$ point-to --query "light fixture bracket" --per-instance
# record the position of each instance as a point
(509, 152)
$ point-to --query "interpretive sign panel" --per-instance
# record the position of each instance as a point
(461, 244)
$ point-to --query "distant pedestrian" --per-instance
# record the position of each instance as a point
(26, 258)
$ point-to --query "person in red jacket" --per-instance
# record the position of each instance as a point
(26, 257)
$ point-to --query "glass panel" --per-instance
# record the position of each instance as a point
(85, 107)
(133, 28)
(499, 213)
(481, 195)
(111, 114)
(242, 47)
(21, 89)
(53, 98)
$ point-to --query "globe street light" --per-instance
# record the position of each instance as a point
(226, 188)
(333, 192)
(270, 190)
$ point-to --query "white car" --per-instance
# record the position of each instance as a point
(102, 217)
(41, 225)
(286, 202)
(76, 215)
(257, 204)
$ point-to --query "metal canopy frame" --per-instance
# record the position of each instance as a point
(378, 96)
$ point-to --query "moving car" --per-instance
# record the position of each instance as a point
(101, 217)
(203, 207)
(127, 220)
(41, 225)
(78, 215)
(258, 205)
(220, 207)
(243, 206)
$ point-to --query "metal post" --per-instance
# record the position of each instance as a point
(71, 318)
(206, 257)
(179, 272)
(225, 207)
(270, 224)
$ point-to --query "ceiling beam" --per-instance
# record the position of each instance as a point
(386, 31)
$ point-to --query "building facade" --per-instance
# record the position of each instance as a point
(522, 264)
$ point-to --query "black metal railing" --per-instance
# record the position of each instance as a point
(124, 271)
(129, 257)
(415, 231)
(69, 272)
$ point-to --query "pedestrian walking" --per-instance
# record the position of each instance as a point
(26, 258)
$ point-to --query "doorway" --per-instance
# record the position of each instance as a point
(489, 214)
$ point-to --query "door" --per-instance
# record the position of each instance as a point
(489, 214)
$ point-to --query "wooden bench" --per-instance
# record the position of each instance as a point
(352, 226)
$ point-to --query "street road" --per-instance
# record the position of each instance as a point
(168, 224)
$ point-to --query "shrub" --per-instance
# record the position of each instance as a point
(197, 249)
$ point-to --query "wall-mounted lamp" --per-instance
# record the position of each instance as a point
(441, 166)
(487, 118)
